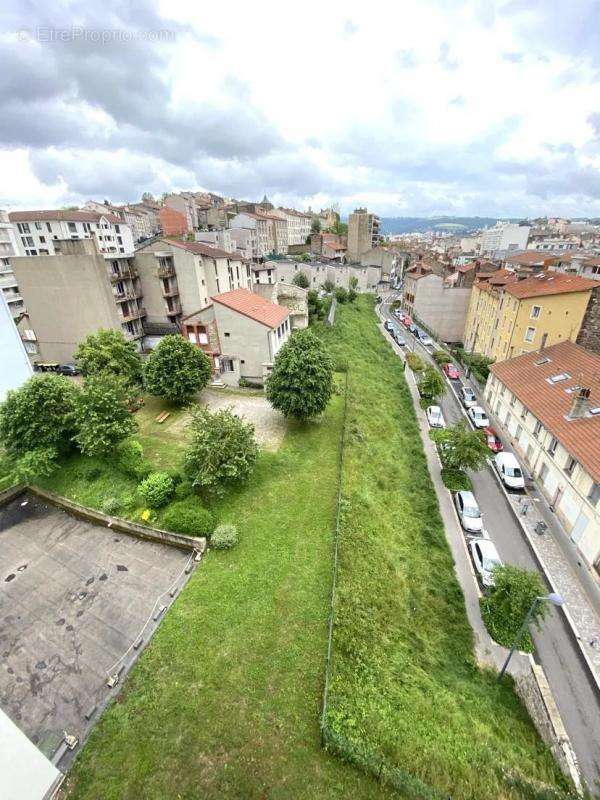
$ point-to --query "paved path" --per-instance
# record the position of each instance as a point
(575, 691)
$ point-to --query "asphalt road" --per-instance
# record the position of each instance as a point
(574, 691)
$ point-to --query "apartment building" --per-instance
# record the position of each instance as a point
(504, 236)
(73, 293)
(582, 263)
(8, 283)
(172, 222)
(329, 245)
(437, 301)
(137, 221)
(37, 232)
(178, 278)
(293, 297)
(550, 405)
(241, 332)
(509, 316)
(363, 233)
(16, 367)
(184, 203)
(246, 242)
(264, 229)
(299, 224)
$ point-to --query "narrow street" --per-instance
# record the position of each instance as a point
(575, 692)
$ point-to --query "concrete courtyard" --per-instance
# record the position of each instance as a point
(74, 598)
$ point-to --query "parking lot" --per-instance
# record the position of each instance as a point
(555, 649)
(74, 599)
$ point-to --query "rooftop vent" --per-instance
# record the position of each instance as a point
(543, 360)
(580, 405)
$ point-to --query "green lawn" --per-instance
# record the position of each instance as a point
(404, 681)
(225, 701)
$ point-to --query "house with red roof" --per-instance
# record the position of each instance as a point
(241, 332)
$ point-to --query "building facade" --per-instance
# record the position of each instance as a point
(8, 283)
(504, 236)
(363, 233)
(508, 316)
(550, 405)
(16, 367)
(264, 231)
(299, 224)
(437, 302)
(38, 232)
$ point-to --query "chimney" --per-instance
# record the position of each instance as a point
(581, 404)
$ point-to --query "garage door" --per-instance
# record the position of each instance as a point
(579, 528)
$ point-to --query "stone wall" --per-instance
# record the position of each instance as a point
(589, 333)
(535, 693)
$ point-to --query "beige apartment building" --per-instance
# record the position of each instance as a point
(299, 224)
(549, 403)
(8, 283)
(241, 332)
(178, 278)
(363, 233)
(73, 293)
(438, 302)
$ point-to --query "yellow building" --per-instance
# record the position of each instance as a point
(509, 316)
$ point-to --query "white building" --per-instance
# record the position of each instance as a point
(38, 231)
(264, 229)
(15, 366)
(504, 236)
(8, 282)
(299, 224)
(245, 241)
(220, 239)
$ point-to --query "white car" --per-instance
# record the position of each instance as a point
(478, 417)
(435, 418)
(509, 470)
(485, 560)
(468, 512)
(426, 340)
(467, 396)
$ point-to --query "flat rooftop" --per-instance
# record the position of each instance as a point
(74, 599)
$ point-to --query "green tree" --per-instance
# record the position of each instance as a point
(39, 415)
(505, 608)
(102, 414)
(460, 447)
(353, 282)
(315, 226)
(304, 257)
(341, 294)
(176, 369)
(109, 351)
(301, 280)
(35, 464)
(301, 382)
(222, 451)
(431, 384)
(328, 286)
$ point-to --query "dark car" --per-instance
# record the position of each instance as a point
(69, 369)
(388, 325)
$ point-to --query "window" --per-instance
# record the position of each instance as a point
(23, 227)
(537, 428)
(227, 365)
(513, 400)
(42, 239)
(570, 466)
(535, 312)
(529, 334)
(562, 376)
(38, 226)
(552, 446)
(594, 493)
(49, 227)
(227, 335)
(72, 227)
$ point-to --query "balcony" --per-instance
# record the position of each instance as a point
(9, 282)
(13, 298)
(174, 309)
(134, 294)
(172, 291)
(166, 272)
(123, 273)
(133, 336)
(133, 313)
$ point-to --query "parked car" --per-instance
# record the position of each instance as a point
(46, 366)
(69, 369)
(478, 417)
(467, 396)
(468, 512)
(435, 418)
(399, 339)
(425, 339)
(493, 440)
(509, 470)
(485, 559)
(413, 329)
(406, 321)
(451, 371)
(388, 325)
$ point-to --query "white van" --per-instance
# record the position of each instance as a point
(509, 470)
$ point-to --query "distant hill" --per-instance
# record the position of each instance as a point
(448, 224)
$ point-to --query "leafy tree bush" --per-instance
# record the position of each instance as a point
(441, 357)
(35, 464)
(189, 517)
(157, 489)
(300, 384)
(183, 489)
(111, 505)
(224, 537)
(102, 415)
(222, 451)
(456, 480)
(92, 474)
(352, 295)
(341, 294)
(39, 415)
(460, 447)
(109, 351)
(505, 608)
(131, 461)
(315, 226)
(176, 369)
(353, 283)
(414, 362)
(431, 384)
(328, 286)
(301, 280)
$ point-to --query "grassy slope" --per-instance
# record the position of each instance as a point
(225, 701)
(404, 679)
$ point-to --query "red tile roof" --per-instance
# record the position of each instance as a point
(531, 258)
(551, 404)
(548, 283)
(253, 306)
(202, 249)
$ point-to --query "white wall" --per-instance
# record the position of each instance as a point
(15, 368)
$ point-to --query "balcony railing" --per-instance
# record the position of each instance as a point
(123, 273)
(166, 272)
(129, 295)
(135, 335)
(175, 308)
(133, 313)
(173, 291)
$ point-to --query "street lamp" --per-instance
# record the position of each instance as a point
(553, 598)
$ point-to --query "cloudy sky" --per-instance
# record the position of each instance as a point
(412, 108)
